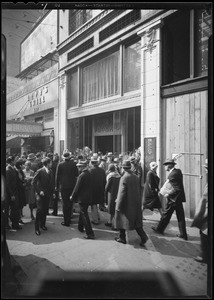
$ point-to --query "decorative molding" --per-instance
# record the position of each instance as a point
(62, 80)
(150, 38)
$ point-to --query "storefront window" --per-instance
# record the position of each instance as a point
(203, 31)
(132, 67)
(73, 89)
(101, 79)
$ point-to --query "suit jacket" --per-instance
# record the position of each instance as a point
(11, 181)
(66, 174)
(98, 182)
(128, 214)
(82, 189)
(42, 181)
(176, 179)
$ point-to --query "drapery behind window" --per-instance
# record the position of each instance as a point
(101, 79)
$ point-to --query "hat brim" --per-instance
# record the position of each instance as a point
(169, 163)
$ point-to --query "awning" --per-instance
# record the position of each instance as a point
(25, 129)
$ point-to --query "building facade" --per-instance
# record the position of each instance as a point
(130, 79)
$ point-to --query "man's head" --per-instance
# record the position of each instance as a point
(169, 164)
(11, 160)
(47, 162)
(126, 165)
(81, 165)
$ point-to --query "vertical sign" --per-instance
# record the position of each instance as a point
(149, 153)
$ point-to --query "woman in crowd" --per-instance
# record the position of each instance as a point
(111, 189)
(29, 190)
(151, 199)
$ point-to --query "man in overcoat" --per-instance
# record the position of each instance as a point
(98, 182)
(128, 212)
(12, 194)
(174, 201)
(82, 194)
(65, 180)
(43, 183)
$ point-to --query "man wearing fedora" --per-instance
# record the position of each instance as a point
(98, 181)
(82, 194)
(43, 183)
(175, 201)
(128, 212)
(65, 180)
(137, 170)
(34, 165)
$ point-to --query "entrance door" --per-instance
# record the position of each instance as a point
(104, 144)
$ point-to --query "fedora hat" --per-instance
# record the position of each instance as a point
(169, 161)
(82, 163)
(126, 164)
(94, 160)
(31, 156)
(153, 165)
(109, 154)
(66, 154)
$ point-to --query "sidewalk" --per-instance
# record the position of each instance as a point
(64, 249)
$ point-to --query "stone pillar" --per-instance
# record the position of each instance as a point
(62, 118)
(150, 94)
(24, 145)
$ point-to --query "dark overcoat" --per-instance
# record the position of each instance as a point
(111, 190)
(11, 182)
(21, 187)
(151, 199)
(66, 175)
(42, 181)
(82, 190)
(176, 179)
(98, 182)
(128, 212)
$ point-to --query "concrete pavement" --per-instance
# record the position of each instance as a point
(64, 249)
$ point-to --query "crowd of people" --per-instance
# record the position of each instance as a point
(110, 183)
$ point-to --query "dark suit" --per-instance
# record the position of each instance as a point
(66, 177)
(42, 181)
(12, 190)
(174, 203)
(83, 195)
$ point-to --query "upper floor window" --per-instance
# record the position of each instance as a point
(185, 45)
(78, 17)
(203, 30)
(101, 79)
(132, 67)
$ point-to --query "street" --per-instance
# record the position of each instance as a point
(62, 249)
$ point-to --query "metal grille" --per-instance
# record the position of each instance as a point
(80, 49)
(131, 17)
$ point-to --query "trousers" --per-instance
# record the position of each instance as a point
(84, 221)
(42, 211)
(167, 214)
(67, 205)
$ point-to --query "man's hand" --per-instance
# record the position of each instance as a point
(166, 195)
(71, 198)
(41, 193)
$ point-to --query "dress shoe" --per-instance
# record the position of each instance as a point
(156, 230)
(81, 229)
(119, 240)
(200, 259)
(89, 237)
(94, 223)
(44, 228)
(37, 232)
(21, 222)
(143, 241)
(182, 236)
(17, 227)
(64, 224)
(108, 224)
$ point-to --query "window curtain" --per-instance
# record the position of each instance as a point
(132, 67)
(101, 79)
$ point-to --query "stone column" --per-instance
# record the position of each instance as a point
(62, 117)
(150, 93)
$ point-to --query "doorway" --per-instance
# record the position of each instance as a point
(104, 144)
